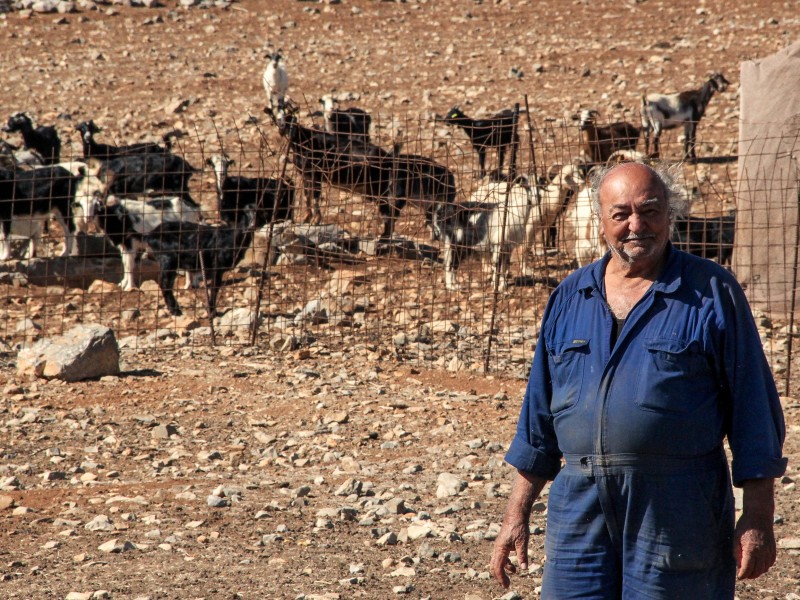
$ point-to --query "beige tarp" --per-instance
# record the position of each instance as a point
(764, 258)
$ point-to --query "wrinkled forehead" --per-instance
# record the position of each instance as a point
(632, 181)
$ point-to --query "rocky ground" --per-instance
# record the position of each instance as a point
(338, 465)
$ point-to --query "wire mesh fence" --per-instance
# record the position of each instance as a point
(294, 238)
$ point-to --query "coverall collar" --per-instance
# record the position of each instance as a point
(591, 280)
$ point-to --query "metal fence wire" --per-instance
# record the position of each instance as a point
(297, 239)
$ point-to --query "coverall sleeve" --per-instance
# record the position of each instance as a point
(535, 447)
(755, 426)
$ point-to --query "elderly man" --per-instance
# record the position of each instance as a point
(647, 359)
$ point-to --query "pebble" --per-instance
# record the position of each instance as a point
(116, 546)
(388, 539)
(217, 501)
(100, 523)
(449, 485)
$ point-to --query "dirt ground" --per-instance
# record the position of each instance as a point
(327, 459)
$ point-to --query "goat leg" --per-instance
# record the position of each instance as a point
(689, 141)
(450, 265)
(166, 281)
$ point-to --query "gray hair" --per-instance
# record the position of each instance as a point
(664, 172)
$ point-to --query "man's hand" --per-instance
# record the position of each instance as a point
(514, 534)
(511, 537)
(754, 540)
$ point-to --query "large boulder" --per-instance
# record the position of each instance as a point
(84, 352)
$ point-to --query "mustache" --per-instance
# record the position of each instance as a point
(634, 237)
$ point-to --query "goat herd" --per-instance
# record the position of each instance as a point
(138, 194)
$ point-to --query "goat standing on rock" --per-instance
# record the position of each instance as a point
(276, 81)
(43, 139)
(492, 132)
(668, 111)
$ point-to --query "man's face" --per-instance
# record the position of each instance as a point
(634, 215)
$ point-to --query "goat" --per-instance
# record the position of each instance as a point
(492, 132)
(389, 178)
(350, 122)
(552, 199)
(276, 81)
(200, 249)
(273, 199)
(599, 143)
(493, 221)
(668, 111)
(43, 139)
(709, 237)
(28, 196)
(561, 185)
(143, 173)
(93, 149)
(12, 157)
(584, 225)
(419, 180)
(127, 220)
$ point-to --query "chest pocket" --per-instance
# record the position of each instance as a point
(675, 377)
(567, 361)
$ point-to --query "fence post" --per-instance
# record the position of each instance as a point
(496, 275)
(265, 264)
(794, 296)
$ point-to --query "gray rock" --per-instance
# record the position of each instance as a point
(163, 432)
(351, 486)
(44, 6)
(116, 547)
(100, 523)
(238, 320)
(216, 501)
(449, 485)
(387, 539)
(85, 352)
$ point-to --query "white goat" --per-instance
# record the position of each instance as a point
(551, 200)
(276, 81)
(584, 225)
(493, 222)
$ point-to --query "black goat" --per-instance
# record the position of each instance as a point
(709, 237)
(492, 132)
(93, 149)
(389, 178)
(350, 122)
(272, 198)
(143, 173)
(30, 195)
(667, 111)
(44, 138)
(343, 163)
(200, 249)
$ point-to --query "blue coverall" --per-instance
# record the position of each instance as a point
(643, 507)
